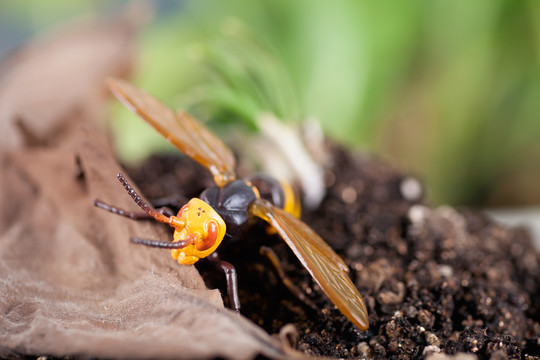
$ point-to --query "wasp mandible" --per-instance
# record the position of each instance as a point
(229, 209)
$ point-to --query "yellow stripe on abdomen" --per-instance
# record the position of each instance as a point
(291, 202)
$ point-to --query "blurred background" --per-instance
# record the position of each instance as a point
(446, 90)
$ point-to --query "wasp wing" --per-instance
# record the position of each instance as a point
(181, 129)
(324, 265)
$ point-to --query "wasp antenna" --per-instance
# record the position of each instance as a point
(160, 244)
(143, 205)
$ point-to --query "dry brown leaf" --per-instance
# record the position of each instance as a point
(70, 281)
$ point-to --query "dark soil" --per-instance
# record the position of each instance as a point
(433, 279)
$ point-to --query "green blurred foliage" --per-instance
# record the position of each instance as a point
(446, 89)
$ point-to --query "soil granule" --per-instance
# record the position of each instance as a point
(435, 280)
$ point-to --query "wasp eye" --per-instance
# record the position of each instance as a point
(212, 229)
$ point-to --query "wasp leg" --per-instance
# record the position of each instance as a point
(232, 280)
(295, 290)
(131, 214)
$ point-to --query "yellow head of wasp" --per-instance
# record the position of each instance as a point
(198, 228)
(202, 232)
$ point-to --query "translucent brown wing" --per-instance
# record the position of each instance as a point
(181, 129)
(326, 267)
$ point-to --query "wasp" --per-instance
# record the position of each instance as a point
(226, 211)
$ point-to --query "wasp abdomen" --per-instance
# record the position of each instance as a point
(279, 193)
